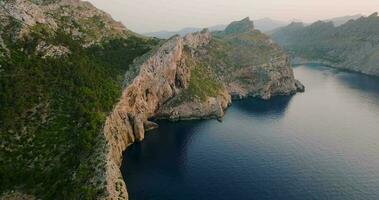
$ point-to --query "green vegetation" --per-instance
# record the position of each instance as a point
(52, 112)
(202, 84)
(229, 52)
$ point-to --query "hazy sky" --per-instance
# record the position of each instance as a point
(154, 15)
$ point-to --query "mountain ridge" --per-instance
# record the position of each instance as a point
(352, 45)
(263, 24)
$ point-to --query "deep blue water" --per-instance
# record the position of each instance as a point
(322, 144)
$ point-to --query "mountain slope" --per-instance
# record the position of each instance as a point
(353, 45)
(62, 67)
(249, 62)
(338, 21)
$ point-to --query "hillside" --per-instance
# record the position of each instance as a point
(249, 62)
(352, 46)
(62, 67)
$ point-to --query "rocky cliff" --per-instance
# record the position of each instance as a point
(81, 20)
(185, 78)
(353, 45)
(62, 64)
(249, 63)
(163, 75)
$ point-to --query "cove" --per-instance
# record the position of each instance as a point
(321, 144)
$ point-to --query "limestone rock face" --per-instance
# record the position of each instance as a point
(80, 19)
(249, 63)
(198, 39)
(264, 81)
(51, 51)
(213, 107)
(138, 129)
(158, 79)
(148, 126)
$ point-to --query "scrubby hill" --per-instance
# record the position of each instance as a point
(353, 45)
(250, 63)
(61, 72)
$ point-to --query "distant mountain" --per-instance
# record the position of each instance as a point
(338, 21)
(264, 25)
(182, 32)
(353, 45)
(267, 24)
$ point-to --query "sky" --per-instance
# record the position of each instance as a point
(144, 16)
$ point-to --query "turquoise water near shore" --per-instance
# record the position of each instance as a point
(321, 144)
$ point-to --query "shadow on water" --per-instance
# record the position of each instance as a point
(164, 148)
(167, 141)
(254, 154)
(353, 80)
(276, 106)
(360, 82)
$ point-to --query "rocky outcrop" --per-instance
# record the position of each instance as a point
(193, 41)
(51, 51)
(148, 126)
(249, 63)
(80, 19)
(161, 76)
(212, 108)
(245, 25)
(265, 81)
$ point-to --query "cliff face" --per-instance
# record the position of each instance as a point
(352, 46)
(164, 74)
(79, 19)
(250, 63)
